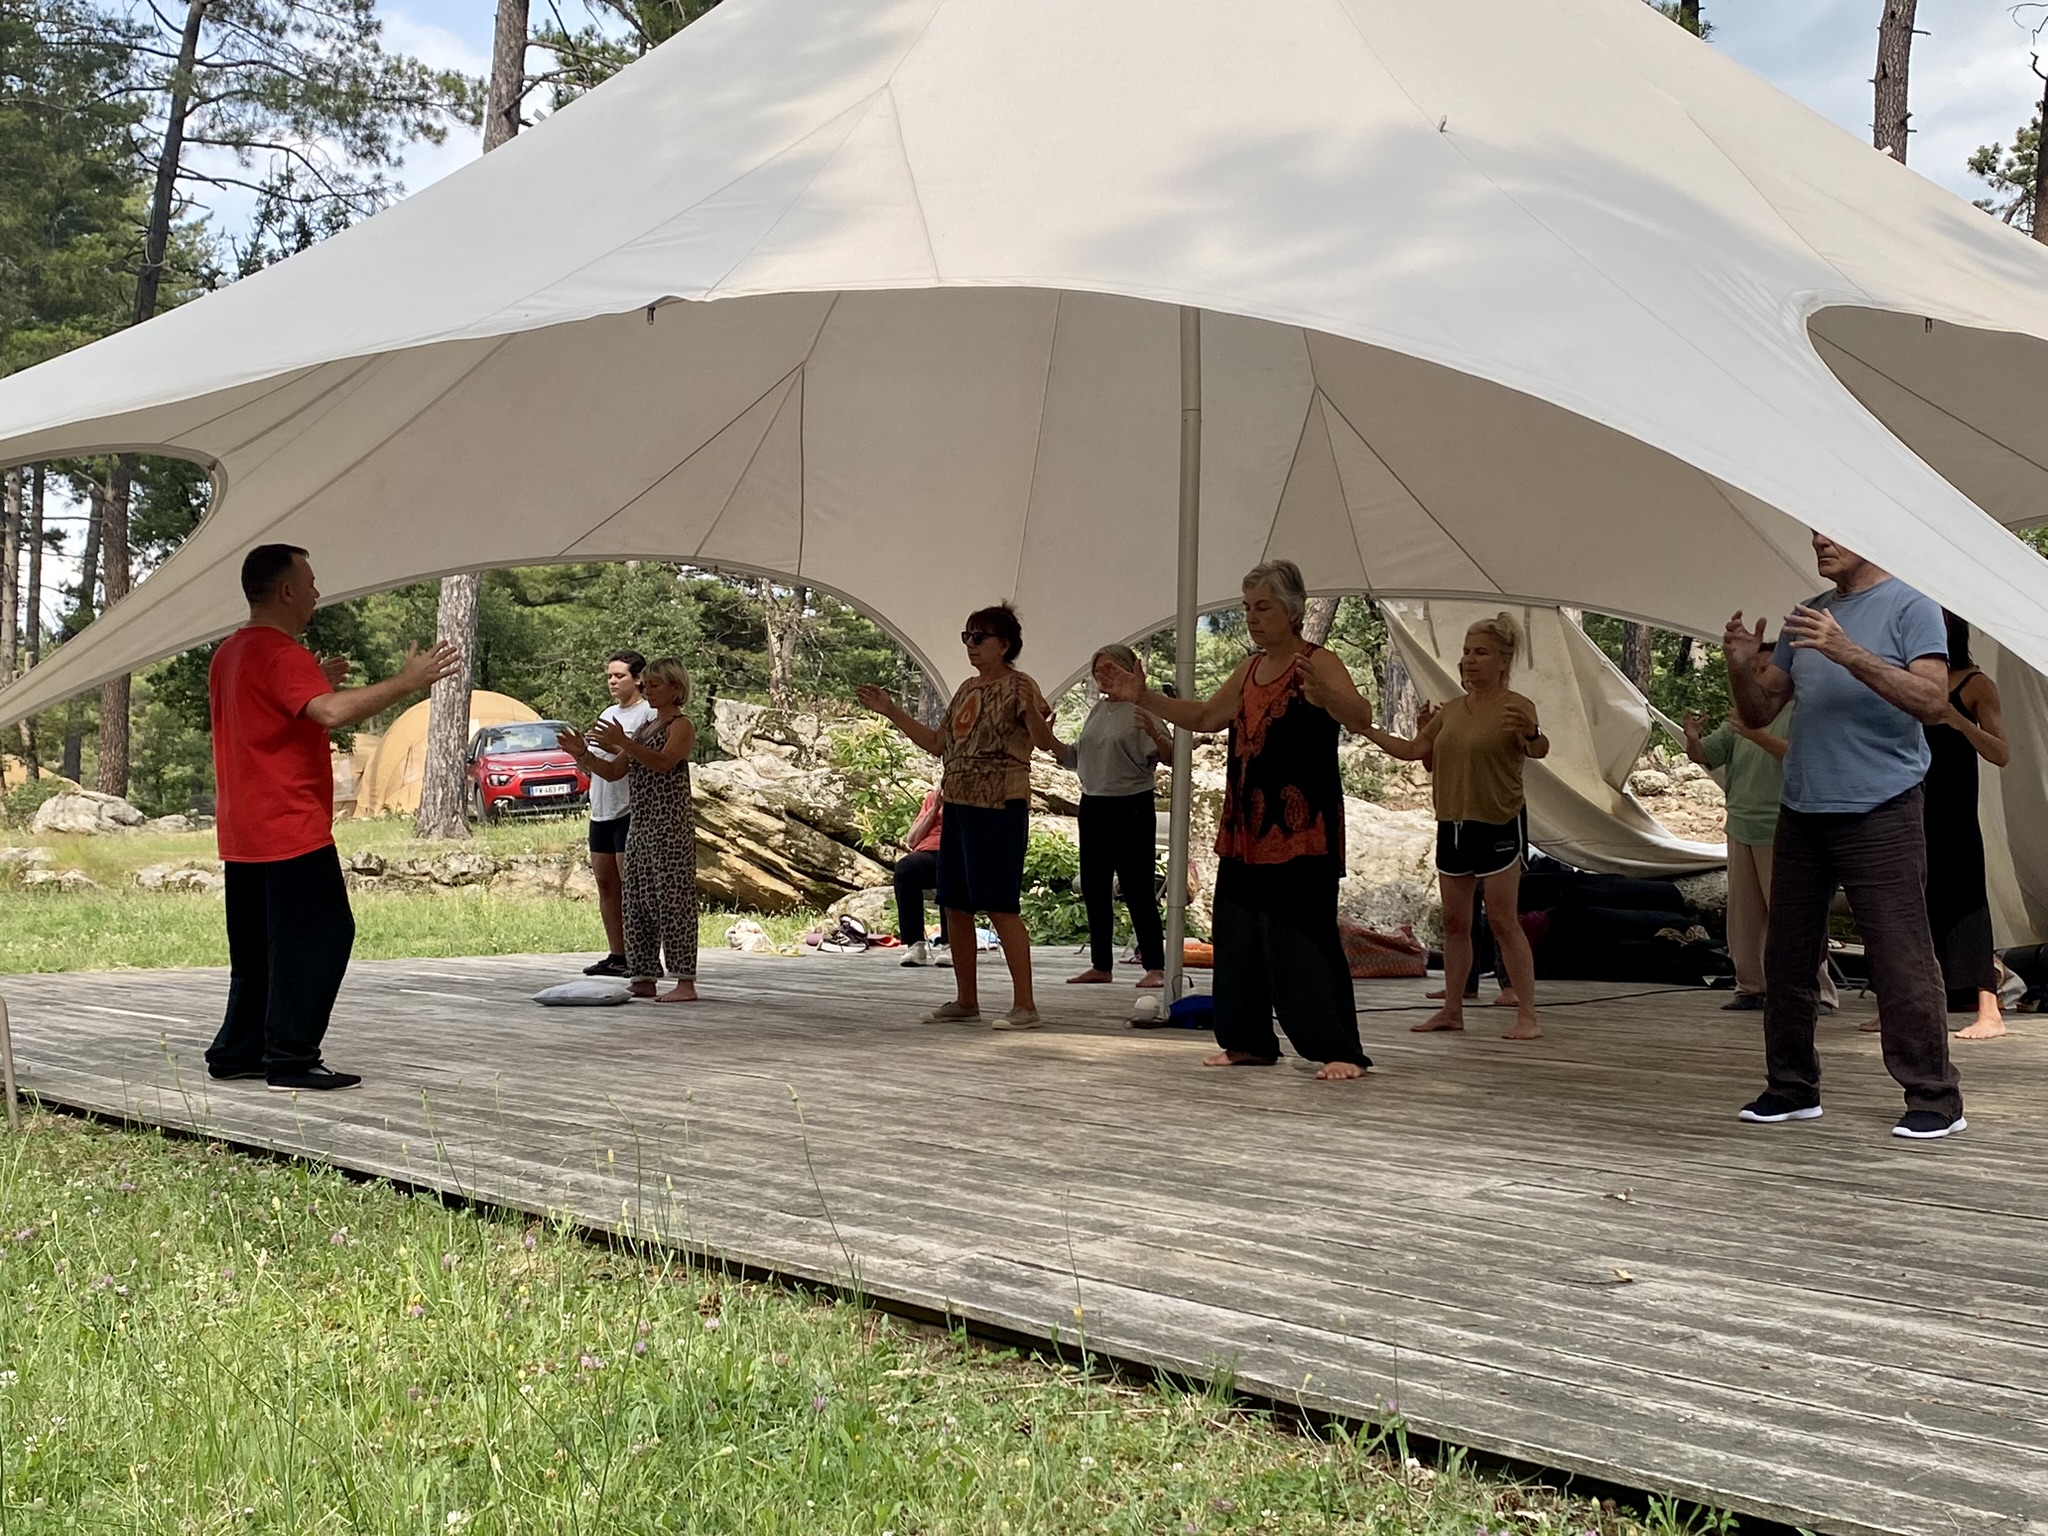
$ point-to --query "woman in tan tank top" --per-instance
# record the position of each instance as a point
(1475, 747)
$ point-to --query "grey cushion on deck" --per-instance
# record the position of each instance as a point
(596, 992)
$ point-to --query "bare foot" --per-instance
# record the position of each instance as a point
(1525, 1027)
(1442, 1019)
(1236, 1059)
(1984, 1029)
(1871, 1026)
(681, 992)
(1152, 980)
(1339, 1072)
(1089, 978)
(1507, 999)
(641, 988)
(1435, 997)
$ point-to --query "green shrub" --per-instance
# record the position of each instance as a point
(19, 808)
(1052, 907)
(875, 761)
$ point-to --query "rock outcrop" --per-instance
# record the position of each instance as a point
(85, 813)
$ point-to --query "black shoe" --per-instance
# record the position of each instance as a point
(1775, 1109)
(234, 1074)
(1928, 1125)
(610, 965)
(313, 1080)
(1743, 1002)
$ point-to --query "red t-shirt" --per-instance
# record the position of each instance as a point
(275, 788)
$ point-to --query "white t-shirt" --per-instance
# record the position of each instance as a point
(609, 798)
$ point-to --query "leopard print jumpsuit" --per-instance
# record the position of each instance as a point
(661, 867)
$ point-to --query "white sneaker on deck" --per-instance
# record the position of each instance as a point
(918, 954)
(1018, 1018)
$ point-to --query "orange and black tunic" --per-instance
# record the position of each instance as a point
(1282, 799)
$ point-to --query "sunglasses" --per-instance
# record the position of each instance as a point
(974, 636)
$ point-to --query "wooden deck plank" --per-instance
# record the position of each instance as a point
(1821, 1325)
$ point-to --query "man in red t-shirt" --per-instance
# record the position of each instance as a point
(289, 925)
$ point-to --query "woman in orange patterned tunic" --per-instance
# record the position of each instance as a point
(994, 720)
(1281, 838)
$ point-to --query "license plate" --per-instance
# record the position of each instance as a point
(550, 789)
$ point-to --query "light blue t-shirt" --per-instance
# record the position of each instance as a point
(1851, 751)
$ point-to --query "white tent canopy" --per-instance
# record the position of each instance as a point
(1503, 300)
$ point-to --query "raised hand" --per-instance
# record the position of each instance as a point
(423, 669)
(1738, 644)
(1816, 629)
(1518, 720)
(335, 670)
(572, 742)
(871, 696)
(1424, 713)
(609, 736)
(1122, 685)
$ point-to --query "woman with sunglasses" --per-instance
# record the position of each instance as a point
(985, 741)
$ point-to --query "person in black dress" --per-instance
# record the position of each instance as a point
(1958, 908)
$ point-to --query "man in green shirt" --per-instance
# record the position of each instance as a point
(1753, 763)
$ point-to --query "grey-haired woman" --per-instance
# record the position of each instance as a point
(1115, 754)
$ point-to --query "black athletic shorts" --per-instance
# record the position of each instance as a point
(1479, 848)
(609, 835)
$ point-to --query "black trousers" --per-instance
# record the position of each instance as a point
(916, 873)
(1278, 952)
(1118, 841)
(289, 936)
(1879, 857)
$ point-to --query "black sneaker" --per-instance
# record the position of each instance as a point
(234, 1074)
(1776, 1109)
(1928, 1125)
(313, 1080)
(1743, 1002)
(610, 965)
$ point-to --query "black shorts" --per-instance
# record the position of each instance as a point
(1479, 848)
(609, 835)
(981, 857)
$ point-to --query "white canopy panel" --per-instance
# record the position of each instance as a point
(1508, 299)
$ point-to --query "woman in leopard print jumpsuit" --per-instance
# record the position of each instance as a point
(661, 844)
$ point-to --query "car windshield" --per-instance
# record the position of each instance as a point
(538, 736)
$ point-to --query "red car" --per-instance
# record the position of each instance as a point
(518, 768)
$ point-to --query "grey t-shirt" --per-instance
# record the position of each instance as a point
(1851, 751)
(1114, 756)
(610, 799)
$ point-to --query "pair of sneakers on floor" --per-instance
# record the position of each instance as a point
(318, 1078)
(953, 1013)
(1914, 1125)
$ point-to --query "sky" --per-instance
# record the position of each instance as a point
(1971, 83)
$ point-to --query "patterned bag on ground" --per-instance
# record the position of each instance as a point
(1376, 955)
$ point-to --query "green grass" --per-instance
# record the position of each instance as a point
(195, 1341)
(122, 927)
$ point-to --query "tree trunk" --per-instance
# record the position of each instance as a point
(81, 615)
(1689, 16)
(1638, 655)
(1316, 622)
(114, 692)
(931, 703)
(1890, 120)
(784, 617)
(32, 613)
(1398, 698)
(2040, 218)
(442, 813)
(10, 570)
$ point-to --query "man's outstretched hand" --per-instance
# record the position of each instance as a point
(423, 669)
(335, 670)
(1738, 644)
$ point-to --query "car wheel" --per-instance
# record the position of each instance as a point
(480, 811)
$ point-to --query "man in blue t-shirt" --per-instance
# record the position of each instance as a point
(1868, 663)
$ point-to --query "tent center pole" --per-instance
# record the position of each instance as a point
(1185, 618)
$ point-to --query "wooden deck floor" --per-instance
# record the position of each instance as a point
(1571, 1252)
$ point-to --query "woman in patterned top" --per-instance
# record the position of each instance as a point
(660, 893)
(1280, 842)
(985, 741)
(1476, 746)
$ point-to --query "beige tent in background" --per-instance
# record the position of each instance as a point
(391, 784)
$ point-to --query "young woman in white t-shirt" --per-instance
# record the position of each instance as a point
(610, 809)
